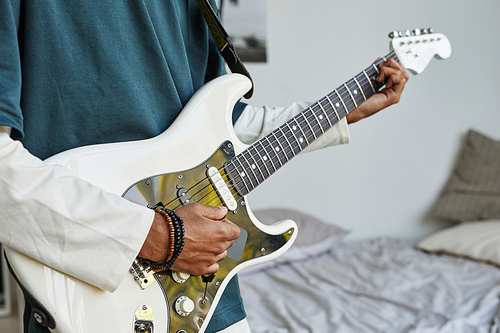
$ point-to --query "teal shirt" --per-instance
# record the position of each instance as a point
(75, 73)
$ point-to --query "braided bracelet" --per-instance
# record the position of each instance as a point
(176, 230)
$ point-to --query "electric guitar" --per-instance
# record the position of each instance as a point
(217, 170)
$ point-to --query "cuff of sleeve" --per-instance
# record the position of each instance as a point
(123, 267)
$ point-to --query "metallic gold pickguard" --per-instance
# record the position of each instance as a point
(165, 188)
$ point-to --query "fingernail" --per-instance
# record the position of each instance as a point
(223, 209)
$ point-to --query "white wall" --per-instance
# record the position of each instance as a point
(385, 181)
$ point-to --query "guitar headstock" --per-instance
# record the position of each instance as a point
(416, 48)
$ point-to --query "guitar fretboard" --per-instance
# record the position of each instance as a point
(259, 161)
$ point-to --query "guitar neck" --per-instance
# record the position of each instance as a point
(259, 161)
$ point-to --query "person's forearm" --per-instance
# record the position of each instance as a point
(68, 224)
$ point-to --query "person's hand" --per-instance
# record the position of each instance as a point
(396, 77)
(208, 235)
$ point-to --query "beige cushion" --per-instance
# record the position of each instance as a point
(479, 241)
(473, 190)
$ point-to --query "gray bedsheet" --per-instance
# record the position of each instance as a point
(376, 285)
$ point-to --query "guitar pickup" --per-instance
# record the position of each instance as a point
(221, 187)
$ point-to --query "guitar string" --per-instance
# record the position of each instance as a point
(289, 147)
(316, 124)
(362, 81)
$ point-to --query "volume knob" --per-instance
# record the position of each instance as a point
(180, 277)
(184, 306)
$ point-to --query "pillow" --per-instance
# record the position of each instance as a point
(473, 190)
(479, 241)
(311, 229)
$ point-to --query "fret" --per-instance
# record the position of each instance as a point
(297, 140)
(345, 107)
(369, 81)
(259, 162)
(231, 172)
(309, 124)
(242, 176)
(317, 119)
(333, 107)
(376, 69)
(254, 165)
(350, 94)
(355, 93)
(247, 173)
(266, 158)
(326, 114)
(303, 137)
(301, 127)
(263, 160)
(294, 142)
(360, 88)
(272, 149)
(324, 118)
(288, 142)
(279, 148)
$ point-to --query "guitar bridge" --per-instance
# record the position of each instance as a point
(142, 273)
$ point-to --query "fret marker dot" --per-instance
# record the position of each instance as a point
(355, 92)
(265, 158)
(337, 105)
(253, 166)
(294, 127)
(301, 140)
(321, 116)
(277, 148)
(242, 175)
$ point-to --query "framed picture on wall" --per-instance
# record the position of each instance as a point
(5, 294)
(246, 23)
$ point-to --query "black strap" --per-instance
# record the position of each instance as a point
(223, 42)
(33, 306)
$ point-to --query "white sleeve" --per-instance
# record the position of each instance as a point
(68, 224)
(256, 122)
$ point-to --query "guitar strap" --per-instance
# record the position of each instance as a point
(223, 42)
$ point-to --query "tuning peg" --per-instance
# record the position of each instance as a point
(408, 33)
(396, 34)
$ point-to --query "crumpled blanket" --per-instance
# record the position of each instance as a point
(374, 285)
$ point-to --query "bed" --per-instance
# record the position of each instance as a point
(447, 282)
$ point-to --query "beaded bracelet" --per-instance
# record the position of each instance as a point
(171, 232)
(176, 230)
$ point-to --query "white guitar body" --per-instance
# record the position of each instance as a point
(196, 134)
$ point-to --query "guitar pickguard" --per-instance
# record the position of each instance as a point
(179, 188)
